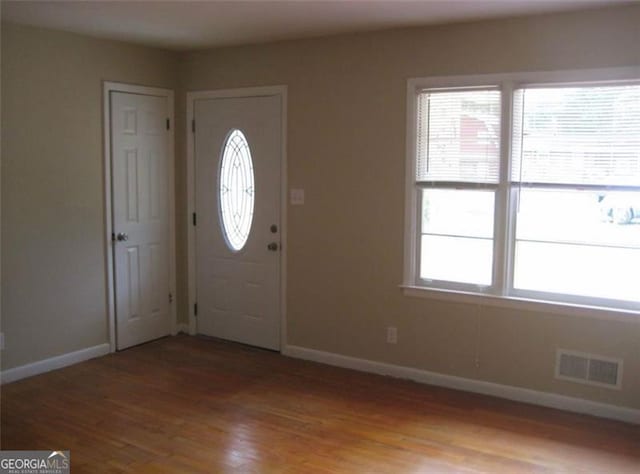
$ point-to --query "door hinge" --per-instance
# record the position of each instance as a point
(168, 124)
(193, 126)
(113, 236)
(194, 219)
(195, 309)
(170, 297)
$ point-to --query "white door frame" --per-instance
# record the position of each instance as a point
(280, 91)
(109, 87)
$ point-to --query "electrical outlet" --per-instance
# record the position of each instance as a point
(392, 335)
(297, 197)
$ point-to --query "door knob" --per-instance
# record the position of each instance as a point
(273, 246)
(122, 237)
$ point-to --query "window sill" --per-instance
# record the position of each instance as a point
(526, 304)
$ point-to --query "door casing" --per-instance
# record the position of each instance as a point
(109, 87)
(280, 91)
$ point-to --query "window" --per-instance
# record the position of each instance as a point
(457, 172)
(526, 187)
(236, 190)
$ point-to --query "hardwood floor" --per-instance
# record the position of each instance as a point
(186, 404)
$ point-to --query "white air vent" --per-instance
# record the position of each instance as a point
(590, 369)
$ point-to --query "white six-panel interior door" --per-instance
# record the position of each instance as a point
(238, 263)
(140, 181)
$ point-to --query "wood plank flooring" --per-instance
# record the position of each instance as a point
(186, 404)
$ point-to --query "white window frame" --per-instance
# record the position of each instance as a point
(501, 293)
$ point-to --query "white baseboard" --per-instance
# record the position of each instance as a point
(46, 365)
(534, 397)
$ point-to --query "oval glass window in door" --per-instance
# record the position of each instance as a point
(236, 194)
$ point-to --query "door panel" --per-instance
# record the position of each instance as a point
(140, 180)
(238, 292)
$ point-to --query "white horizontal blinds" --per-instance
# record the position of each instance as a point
(577, 135)
(458, 136)
(517, 121)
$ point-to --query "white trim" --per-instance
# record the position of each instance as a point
(109, 87)
(411, 191)
(578, 76)
(513, 302)
(53, 363)
(546, 399)
(280, 91)
(284, 195)
(191, 207)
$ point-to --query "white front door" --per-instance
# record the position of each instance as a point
(237, 163)
(140, 195)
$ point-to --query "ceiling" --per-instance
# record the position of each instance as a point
(186, 25)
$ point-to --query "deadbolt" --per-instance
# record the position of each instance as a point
(274, 228)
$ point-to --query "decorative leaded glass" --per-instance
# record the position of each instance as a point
(236, 190)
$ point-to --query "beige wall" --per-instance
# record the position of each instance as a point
(346, 148)
(53, 262)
